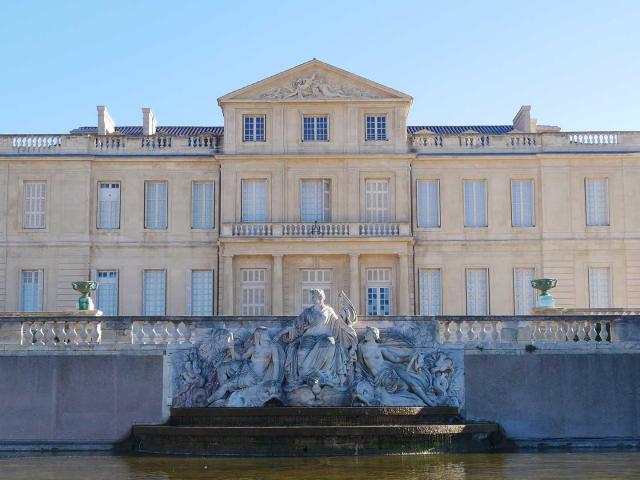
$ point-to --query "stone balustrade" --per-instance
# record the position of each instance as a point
(316, 230)
(526, 142)
(117, 333)
(60, 332)
(578, 330)
(162, 332)
(108, 144)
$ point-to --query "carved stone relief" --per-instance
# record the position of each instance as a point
(315, 86)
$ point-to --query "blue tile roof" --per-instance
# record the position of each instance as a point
(458, 129)
(183, 130)
(177, 131)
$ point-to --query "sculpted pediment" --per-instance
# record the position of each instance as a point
(314, 81)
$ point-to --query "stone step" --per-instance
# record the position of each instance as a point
(315, 440)
(313, 416)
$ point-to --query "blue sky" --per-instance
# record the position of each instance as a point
(576, 63)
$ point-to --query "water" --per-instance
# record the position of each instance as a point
(521, 466)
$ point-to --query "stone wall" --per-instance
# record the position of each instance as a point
(77, 399)
(556, 396)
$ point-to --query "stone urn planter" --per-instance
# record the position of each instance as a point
(85, 302)
(545, 300)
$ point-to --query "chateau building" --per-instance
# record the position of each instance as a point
(316, 180)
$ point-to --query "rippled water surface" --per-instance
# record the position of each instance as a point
(556, 466)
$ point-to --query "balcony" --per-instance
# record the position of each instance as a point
(316, 230)
(109, 144)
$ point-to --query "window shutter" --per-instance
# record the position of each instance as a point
(202, 215)
(475, 203)
(523, 292)
(597, 198)
(377, 200)
(430, 292)
(522, 203)
(253, 288)
(477, 291)
(599, 288)
(35, 204)
(254, 200)
(156, 205)
(32, 290)
(107, 293)
(154, 292)
(201, 292)
(428, 203)
(108, 205)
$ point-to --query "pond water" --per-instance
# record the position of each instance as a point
(557, 466)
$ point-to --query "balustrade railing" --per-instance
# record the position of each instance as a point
(160, 332)
(30, 143)
(320, 230)
(552, 330)
(61, 332)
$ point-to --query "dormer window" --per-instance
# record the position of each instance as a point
(376, 128)
(254, 128)
(315, 128)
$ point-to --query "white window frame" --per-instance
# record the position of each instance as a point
(203, 221)
(195, 290)
(518, 204)
(524, 295)
(596, 209)
(471, 219)
(377, 280)
(315, 130)
(40, 293)
(430, 293)
(155, 223)
(249, 210)
(377, 200)
(146, 301)
(252, 136)
(34, 204)
(113, 206)
(425, 206)
(599, 298)
(99, 276)
(474, 297)
(378, 130)
(322, 187)
(320, 278)
(252, 288)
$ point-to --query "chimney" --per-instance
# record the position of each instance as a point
(106, 125)
(148, 122)
(523, 122)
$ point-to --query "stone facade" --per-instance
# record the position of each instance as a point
(376, 238)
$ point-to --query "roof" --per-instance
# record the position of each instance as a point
(186, 130)
(458, 129)
(136, 131)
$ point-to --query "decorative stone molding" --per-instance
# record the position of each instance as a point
(315, 86)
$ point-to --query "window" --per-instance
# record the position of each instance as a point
(599, 288)
(477, 291)
(202, 292)
(35, 205)
(155, 215)
(524, 295)
(428, 203)
(377, 200)
(253, 288)
(475, 203)
(379, 291)
(254, 200)
(31, 292)
(202, 202)
(315, 201)
(522, 203)
(254, 128)
(376, 128)
(597, 199)
(430, 292)
(107, 293)
(108, 205)
(154, 292)
(315, 128)
(320, 279)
